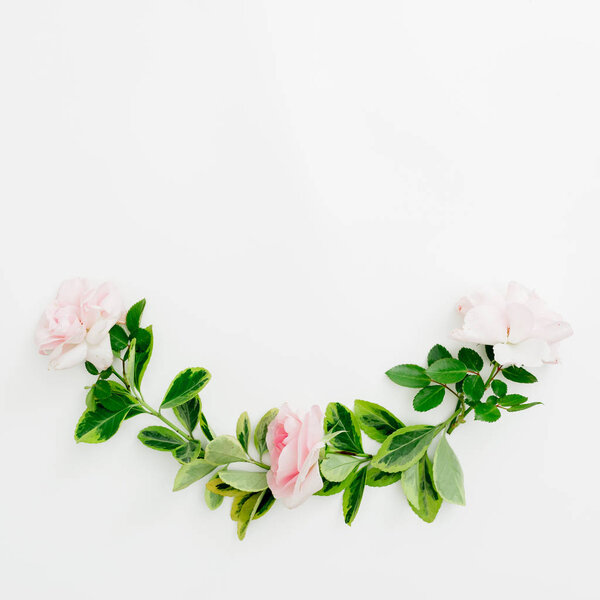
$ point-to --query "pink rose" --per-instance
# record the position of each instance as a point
(294, 444)
(75, 327)
(522, 329)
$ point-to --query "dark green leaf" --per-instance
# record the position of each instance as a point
(377, 422)
(160, 438)
(512, 400)
(143, 358)
(448, 474)
(188, 413)
(334, 487)
(422, 496)
(260, 433)
(205, 427)
(489, 352)
(118, 339)
(487, 412)
(522, 406)
(518, 375)
(411, 376)
(185, 386)
(471, 359)
(134, 314)
(188, 452)
(429, 398)
(90, 368)
(142, 338)
(242, 430)
(99, 425)
(106, 373)
(192, 472)
(447, 370)
(340, 418)
(377, 478)
(404, 448)
(499, 388)
(353, 495)
(436, 353)
(473, 388)
(102, 389)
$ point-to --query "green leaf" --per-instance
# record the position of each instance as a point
(336, 467)
(353, 495)
(489, 352)
(247, 507)
(420, 491)
(188, 413)
(473, 388)
(118, 338)
(188, 452)
(447, 370)
(98, 425)
(117, 398)
(436, 353)
(224, 450)
(213, 501)
(448, 474)
(411, 376)
(404, 448)
(134, 314)
(522, 406)
(260, 433)
(91, 368)
(160, 438)
(499, 388)
(129, 366)
(205, 427)
(340, 418)
(377, 478)
(142, 338)
(192, 472)
(143, 358)
(518, 375)
(245, 481)
(242, 430)
(429, 398)
(512, 400)
(185, 386)
(216, 486)
(377, 422)
(106, 373)
(90, 399)
(334, 487)
(471, 359)
(487, 412)
(102, 390)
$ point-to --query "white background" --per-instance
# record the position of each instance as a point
(302, 191)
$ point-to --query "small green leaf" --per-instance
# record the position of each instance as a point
(243, 430)
(205, 427)
(471, 359)
(160, 438)
(340, 418)
(411, 484)
(185, 386)
(224, 450)
(188, 413)
(489, 352)
(411, 376)
(353, 495)
(404, 448)
(447, 474)
(187, 452)
(473, 388)
(134, 314)
(486, 412)
(436, 353)
(91, 368)
(216, 486)
(260, 433)
(142, 338)
(377, 478)
(429, 398)
(192, 472)
(98, 425)
(129, 366)
(246, 507)
(90, 399)
(522, 406)
(375, 420)
(118, 338)
(518, 375)
(512, 400)
(143, 356)
(499, 388)
(334, 487)
(447, 370)
(213, 501)
(245, 481)
(418, 486)
(102, 390)
(336, 467)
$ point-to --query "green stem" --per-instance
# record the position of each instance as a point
(260, 464)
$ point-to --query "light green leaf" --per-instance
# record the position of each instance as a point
(428, 500)
(185, 386)
(377, 478)
(160, 438)
(404, 448)
(447, 370)
(245, 481)
(448, 474)
(98, 425)
(375, 420)
(213, 501)
(353, 495)
(205, 427)
(130, 363)
(412, 376)
(410, 484)
(192, 472)
(340, 418)
(336, 467)
(188, 413)
(429, 398)
(260, 433)
(187, 452)
(243, 430)
(224, 450)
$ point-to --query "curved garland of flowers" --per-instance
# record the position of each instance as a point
(313, 454)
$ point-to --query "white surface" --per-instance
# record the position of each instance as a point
(301, 191)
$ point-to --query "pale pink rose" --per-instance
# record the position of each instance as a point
(518, 324)
(75, 327)
(294, 444)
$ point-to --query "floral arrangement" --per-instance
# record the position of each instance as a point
(294, 455)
